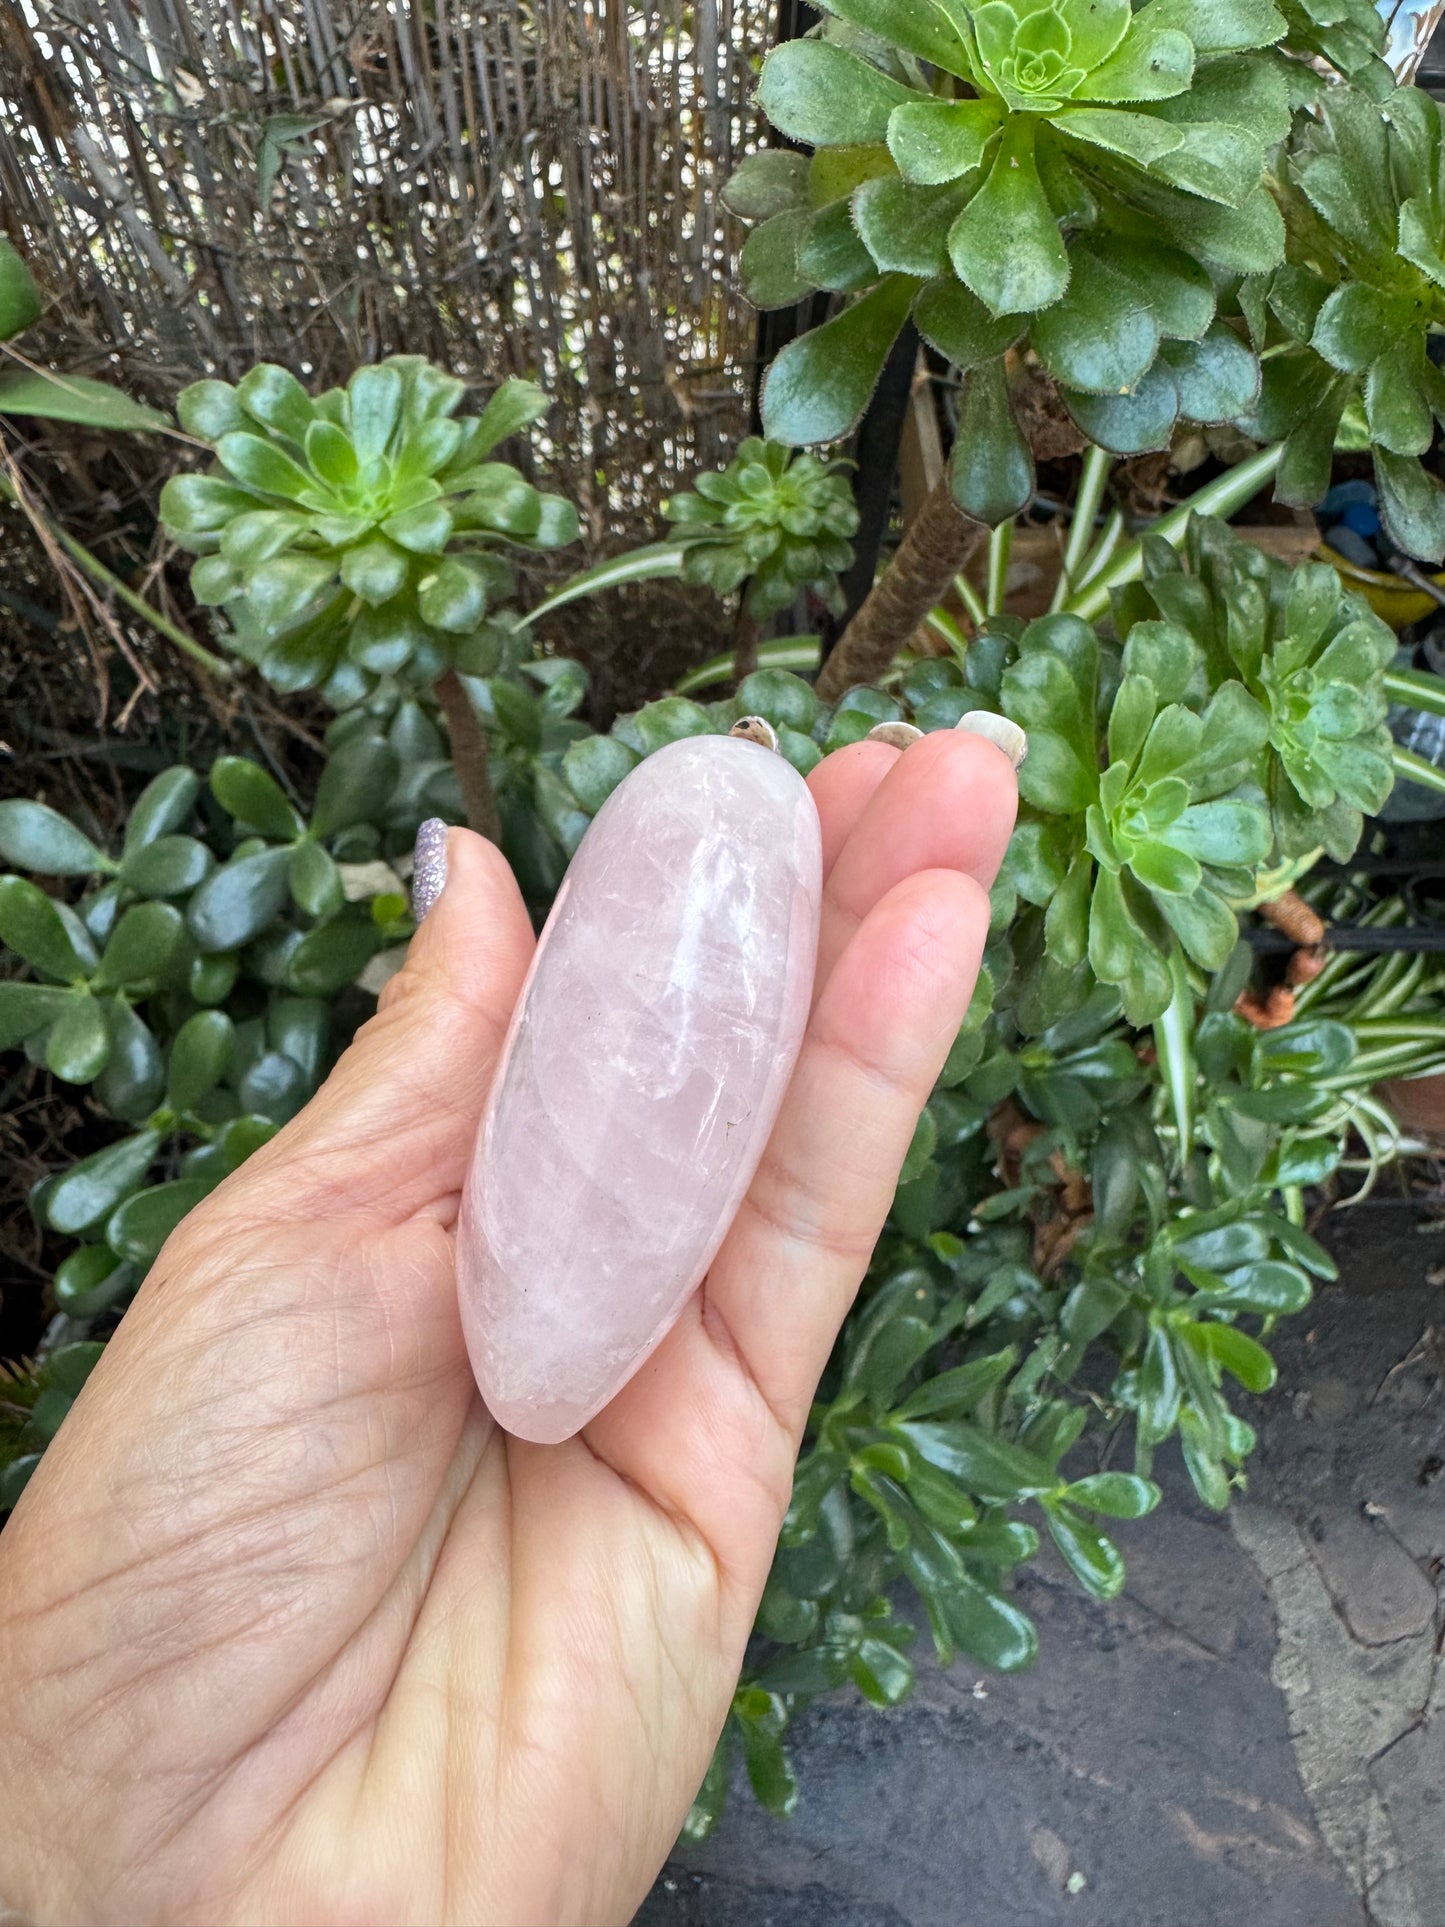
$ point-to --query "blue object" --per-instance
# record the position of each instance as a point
(1352, 546)
(1362, 517)
(1343, 495)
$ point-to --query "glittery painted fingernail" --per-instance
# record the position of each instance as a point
(429, 866)
(999, 731)
(896, 735)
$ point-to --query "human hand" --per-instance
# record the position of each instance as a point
(289, 1630)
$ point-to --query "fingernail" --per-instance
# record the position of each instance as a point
(429, 866)
(896, 735)
(999, 731)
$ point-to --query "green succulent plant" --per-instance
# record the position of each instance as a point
(1073, 174)
(1310, 654)
(1348, 321)
(775, 520)
(361, 533)
(1144, 844)
(1349, 34)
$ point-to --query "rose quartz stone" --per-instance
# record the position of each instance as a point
(640, 1078)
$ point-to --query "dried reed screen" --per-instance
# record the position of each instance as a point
(524, 188)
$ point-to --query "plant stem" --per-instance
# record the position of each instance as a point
(1092, 483)
(943, 624)
(1416, 770)
(745, 642)
(470, 756)
(1418, 688)
(1102, 550)
(162, 624)
(1000, 547)
(1222, 496)
(935, 547)
(1173, 1040)
(971, 600)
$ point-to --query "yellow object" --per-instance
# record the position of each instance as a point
(1390, 596)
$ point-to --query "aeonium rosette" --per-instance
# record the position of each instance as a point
(361, 533)
(772, 519)
(1071, 175)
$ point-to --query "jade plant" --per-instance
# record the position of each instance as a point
(186, 979)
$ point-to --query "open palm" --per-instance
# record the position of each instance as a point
(289, 1629)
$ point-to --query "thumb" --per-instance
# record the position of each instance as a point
(391, 1130)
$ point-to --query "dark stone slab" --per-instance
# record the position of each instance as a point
(1140, 1775)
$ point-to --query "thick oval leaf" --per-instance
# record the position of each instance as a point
(330, 957)
(1119, 1495)
(594, 767)
(989, 1628)
(200, 1057)
(814, 91)
(138, 1228)
(766, 184)
(961, 328)
(140, 948)
(1239, 1354)
(162, 807)
(1090, 1555)
(1153, 63)
(79, 1042)
(905, 229)
(38, 838)
(1175, 286)
(934, 141)
(130, 1086)
(271, 395)
(356, 785)
(1132, 424)
(301, 1027)
(209, 409)
(768, 263)
(260, 464)
(273, 1087)
(254, 798)
(1102, 335)
(373, 409)
(32, 926)
(1006, 244)
(1270, 1289)
(236, 902)
(169, 867)
(90, 1191)
(26, 1009)
(991, 471)
(1216, 378)
(90, 1281)
(817, 388)
(986, 1465)
(315, 881)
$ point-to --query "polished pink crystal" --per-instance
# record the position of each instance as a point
(640, 1078)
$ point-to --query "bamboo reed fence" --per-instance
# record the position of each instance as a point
(516, 187)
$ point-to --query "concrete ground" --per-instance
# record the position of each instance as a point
(1253, 1732)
